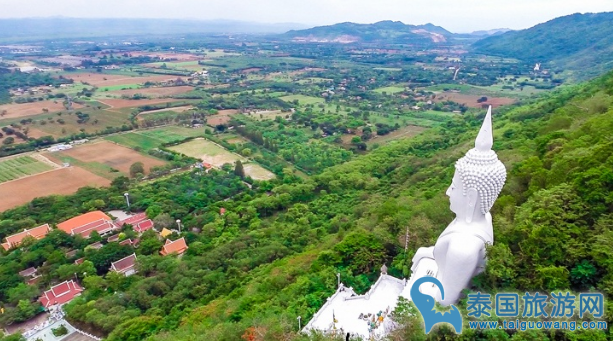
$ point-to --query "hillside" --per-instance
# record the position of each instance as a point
(582, 43)
(388, 31)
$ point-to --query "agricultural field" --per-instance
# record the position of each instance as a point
(66, 124)
(389, 90)
(221, 118)
(208, 152)
(189, 65)
(402, 133)
(103, 157)
(471, 100)
(19, 110)
(153, 91)
(115, 88)
(106, 80)
(266, 114)
(302, 99)
(257, 172)
(18, 167)
(154, 138)
(62, 181)
(216, 155)
(125, 103)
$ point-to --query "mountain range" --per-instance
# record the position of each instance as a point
(387, 31)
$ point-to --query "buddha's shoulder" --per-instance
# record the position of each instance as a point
(481, 230)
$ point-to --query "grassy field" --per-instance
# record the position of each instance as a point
(135, 140)
(154, 138)
(172, 133)
(404, 132)
(119, 87)
(13, 168)
(302, 99)
(389, 90)
(208, 152)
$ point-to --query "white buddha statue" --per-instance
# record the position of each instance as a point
(459, 252)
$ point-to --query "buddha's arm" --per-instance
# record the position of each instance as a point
(422, 252)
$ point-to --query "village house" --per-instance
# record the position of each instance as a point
(139, 222)
(165, 232)
(125, 266)
(31, 275)
(16, 239)
(60, 294)
(85, 224)
(178, 246)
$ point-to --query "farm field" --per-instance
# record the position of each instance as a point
(154, 92)
(119, 87)
(257, 172)
(266, 114)
(135, 140)
(122, 103)
(99, 119)
(168, 55)
(221, 118)
(62, 181)
(18, 110)
(216, 155)
(389, 90)
(404, 132)
(180, 109)
(153, 138)
(471, 100)
(302, 99)
(100, 156)
(19, 167)
(208, 152)
(102, 80)
(188, 65)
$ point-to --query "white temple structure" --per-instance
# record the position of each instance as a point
(457, 256)
(365, 316)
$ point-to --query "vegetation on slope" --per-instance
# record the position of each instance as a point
(580, 42)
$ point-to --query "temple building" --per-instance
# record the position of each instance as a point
(364, 316)
(15, 240)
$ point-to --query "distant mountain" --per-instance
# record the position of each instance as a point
(493, 32)
(577, 42)
(28, 29)
(388, 31)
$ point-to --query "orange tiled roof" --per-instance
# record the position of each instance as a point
(178, 246)
(37, 233)
(82, 220)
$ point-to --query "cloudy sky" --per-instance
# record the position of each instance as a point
(454, 15)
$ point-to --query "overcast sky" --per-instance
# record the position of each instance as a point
(454, 15)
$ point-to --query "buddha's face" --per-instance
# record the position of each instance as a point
(456, 197)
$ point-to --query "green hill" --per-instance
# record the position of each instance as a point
(387, 31)
(582, 43)
(275, 253)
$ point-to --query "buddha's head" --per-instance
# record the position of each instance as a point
(479, 177)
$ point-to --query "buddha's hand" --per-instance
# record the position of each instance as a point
(422, 252)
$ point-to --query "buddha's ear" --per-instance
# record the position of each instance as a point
(472, 196)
